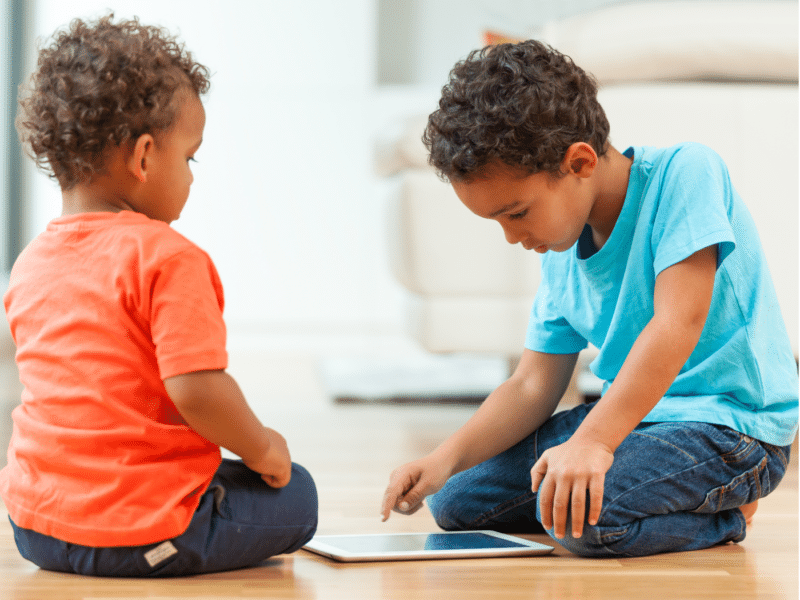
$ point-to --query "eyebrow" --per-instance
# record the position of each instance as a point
(506, 208)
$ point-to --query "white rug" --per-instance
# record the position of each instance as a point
(429, 378)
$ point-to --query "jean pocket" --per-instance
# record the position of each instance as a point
(746, 487)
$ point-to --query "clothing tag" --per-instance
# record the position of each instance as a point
(160, 553)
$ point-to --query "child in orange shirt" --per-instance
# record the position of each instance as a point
(114, 466)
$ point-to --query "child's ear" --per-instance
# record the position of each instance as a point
(580, 159)
(137, 161)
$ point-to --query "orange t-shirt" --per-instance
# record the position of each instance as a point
(103, 307)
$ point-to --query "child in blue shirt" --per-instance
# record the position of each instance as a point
(651, 256)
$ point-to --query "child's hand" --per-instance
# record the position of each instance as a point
(275, 466)
(409, 484)
(565, 473)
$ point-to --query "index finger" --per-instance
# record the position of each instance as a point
(389, 500)
(394, 491)
(538, 472)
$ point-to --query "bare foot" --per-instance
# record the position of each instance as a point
(749, 510)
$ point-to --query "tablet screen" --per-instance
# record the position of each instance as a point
(359, 544)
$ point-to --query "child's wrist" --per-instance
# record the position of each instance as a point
(257, 451)
(449, 458)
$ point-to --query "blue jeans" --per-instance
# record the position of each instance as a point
(240, 522)
(671, 487)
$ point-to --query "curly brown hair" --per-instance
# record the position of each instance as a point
(519, 104)
(100, 84)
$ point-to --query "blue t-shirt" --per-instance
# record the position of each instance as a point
(742, 373)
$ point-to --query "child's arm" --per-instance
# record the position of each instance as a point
(213, 405)
(681, 301)
(509, 414)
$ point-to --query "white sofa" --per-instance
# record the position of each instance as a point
(720, 73)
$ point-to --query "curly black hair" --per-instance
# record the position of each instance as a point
(97, 85)
(519, 104)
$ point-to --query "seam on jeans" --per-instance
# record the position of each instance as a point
(739, 453)
(751, 477)
(666, 443)
(758, 473)
(776, 451)
(612, 536)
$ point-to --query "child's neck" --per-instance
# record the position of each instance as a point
(612, 187)
(105, 192)
(85, 198)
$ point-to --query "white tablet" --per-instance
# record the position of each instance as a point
(417, 546)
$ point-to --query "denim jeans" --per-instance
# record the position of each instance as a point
(671, 487)
(240, 522)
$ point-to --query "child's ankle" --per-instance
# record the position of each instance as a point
(749, 510)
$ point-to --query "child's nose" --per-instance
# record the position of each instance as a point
(512, 236)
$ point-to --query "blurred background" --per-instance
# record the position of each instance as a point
(287, 199)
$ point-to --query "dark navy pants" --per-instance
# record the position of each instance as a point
(240, 522)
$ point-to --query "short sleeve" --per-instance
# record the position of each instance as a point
(548, 330)
(693, 211)
(186, 321)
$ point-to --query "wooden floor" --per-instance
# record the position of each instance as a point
(351, 450)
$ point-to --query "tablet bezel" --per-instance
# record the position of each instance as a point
(322, 545)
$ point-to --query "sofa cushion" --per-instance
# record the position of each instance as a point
(686, 39)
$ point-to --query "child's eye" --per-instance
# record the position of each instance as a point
(191, 159)
(518, 215)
